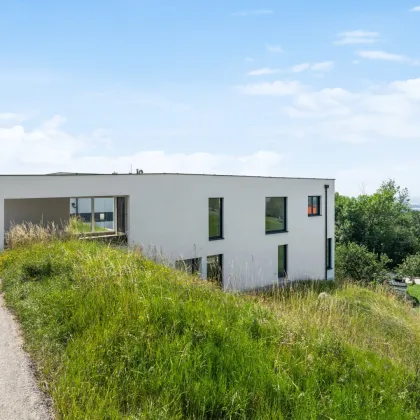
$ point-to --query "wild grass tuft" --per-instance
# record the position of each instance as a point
(28, 233)
(115, 335)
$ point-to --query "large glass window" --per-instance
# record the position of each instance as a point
(93, 214)
(275, 214)
(329, 253)
(314, 205)
(104, 213)
(215, 268)
(80, 215)
(191, 266)
(282, 261)
(215, 218)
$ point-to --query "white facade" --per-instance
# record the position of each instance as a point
(169, 213)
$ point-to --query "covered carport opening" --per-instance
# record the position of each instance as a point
(85, 217)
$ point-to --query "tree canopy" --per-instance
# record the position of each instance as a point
(383, 223)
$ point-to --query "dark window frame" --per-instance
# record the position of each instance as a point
(286, 255)
(221, 208)
(195, 263)
(329, 254)
(284, 230)
(311, 198)
(220, 260)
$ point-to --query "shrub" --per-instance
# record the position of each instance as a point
(355, 262)
(410, 267)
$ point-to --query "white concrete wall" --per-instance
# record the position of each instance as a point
(36, 211)
(170, 213)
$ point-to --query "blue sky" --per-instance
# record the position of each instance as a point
(323, 89)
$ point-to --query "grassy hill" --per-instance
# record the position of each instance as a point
(115, 335)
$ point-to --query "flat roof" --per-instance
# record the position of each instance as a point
(160, 173)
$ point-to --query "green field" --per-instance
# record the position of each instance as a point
(116, 336)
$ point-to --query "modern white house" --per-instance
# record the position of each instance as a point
(244, 231)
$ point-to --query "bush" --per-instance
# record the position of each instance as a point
(410, 267)
(355, 262)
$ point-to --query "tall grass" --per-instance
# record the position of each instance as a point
(115, 335)
(28, 233)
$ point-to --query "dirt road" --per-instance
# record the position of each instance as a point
(20, 398)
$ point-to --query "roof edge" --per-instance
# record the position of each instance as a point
(65, 174)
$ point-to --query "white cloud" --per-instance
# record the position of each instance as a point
(257, 12)
(320, 67)
(277, 88)
(416, 9)
(11, 117)
(362, 180)
(298, 68)
(382, 55)
(274, 49)
(389, 112)
(410, 87)
(353, 41)
(260, 163)
(359, 34)
(380, 121)
(262, 72)
(356, 37)
(249, 60)
(324, 66)
(324, 103)
(49, 148)
(46, 144)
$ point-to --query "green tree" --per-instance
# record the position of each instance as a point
(410, 267)
(382, 222)
(355, 262)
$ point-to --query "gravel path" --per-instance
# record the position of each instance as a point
(20, 398)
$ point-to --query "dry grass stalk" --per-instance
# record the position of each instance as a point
(29, 233)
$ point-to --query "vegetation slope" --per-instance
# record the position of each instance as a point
(115, 335)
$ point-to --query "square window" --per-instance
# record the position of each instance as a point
(314, 205)
(215, 268)
(215, 218)
(282, 261)
(275, 214)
